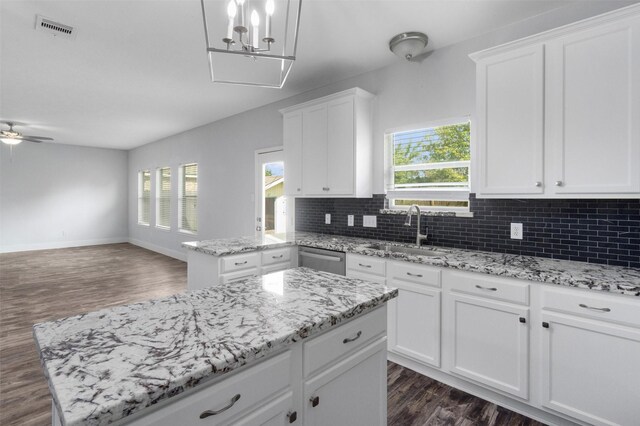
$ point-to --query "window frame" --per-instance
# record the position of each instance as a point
(159, 196)
(434, 193)
(141, 197)
(181, 196)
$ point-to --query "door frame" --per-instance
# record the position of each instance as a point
(259, 206)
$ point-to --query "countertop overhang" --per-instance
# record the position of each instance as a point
(592, 276)
(105, 365)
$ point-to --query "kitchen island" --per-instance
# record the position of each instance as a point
(222, 354)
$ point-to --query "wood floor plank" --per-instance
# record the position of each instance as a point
(50, 284)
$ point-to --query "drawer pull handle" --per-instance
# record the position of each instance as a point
(486, 288)
(325, 188)
(582, 305)
(292, 416)
(231, 403)
(364, 266)
(414, 275)
(240, 263)
(315, 400)
(278, 257)
(351, 339)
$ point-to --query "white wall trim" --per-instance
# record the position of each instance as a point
(159, 249)
(62, 244)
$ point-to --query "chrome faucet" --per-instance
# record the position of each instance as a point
(419, 237)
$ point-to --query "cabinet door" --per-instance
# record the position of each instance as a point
(314, 150)
(593, 110)
(589, 370)
(510, 127)
(341, 147)
(279, 412)
(353, 392)
(414, 322)
(490, 343)
(292, 144)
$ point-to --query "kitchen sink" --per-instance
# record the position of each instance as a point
(406, 250)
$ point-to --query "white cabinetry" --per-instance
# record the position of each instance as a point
(414, 316)
(589, 348)
(204, 270)
(328, 143)
(593, 110)
(558, 115)
(510, 125)
(292, 147)
(489, 338)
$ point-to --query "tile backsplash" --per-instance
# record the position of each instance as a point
(596, 231)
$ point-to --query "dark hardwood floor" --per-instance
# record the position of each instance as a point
(49, 284)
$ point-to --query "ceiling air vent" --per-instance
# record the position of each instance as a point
(55, 28)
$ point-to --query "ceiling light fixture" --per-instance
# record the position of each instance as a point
(408, 45)
(241, 50)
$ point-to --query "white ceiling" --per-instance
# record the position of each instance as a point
(137, 70)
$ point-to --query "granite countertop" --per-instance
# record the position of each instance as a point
(105, 365)
(613, 279)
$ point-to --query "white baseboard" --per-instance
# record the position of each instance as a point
(61, 244)
(159, 249)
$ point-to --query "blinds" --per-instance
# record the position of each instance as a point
(189, 197)
(144, 196)
(163, 198)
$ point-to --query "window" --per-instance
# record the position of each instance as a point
(188, 205)
(144, 196)
(430, 167)
(163, 197)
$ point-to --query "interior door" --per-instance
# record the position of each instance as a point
(271, 204)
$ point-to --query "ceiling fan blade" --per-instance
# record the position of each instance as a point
(37, 137)
(30, 140)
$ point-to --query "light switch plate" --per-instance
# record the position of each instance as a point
(516, 231)
(350, 220)
(370, 221)
(327, 219)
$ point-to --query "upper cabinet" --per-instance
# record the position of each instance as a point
(558, 115)
(327, 146)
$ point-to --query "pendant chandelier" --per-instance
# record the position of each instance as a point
(251, 42)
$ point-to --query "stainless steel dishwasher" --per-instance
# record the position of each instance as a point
(322, 260)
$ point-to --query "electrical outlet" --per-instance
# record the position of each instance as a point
(350, 220)
(327, 219)
(516, 231)
(369, 221)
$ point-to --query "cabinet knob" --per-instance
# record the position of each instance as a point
(523, 320)
(559, 183)
(538, 184)
(545, 324)
(325, 188)
(315, 400)
(298, 189)
(292, 416)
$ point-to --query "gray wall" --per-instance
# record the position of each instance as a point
(442, 86)
(61, 196)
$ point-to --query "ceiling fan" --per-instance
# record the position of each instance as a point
(11, 137)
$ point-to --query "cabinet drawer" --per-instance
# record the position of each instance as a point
(366, 264)
(238, 262)
(410, 272)
(603, 307)
(240, 393)
(367, 277)
(349, 337)
(275, 268)
(488, 286)
(270, 257)
(237, 276)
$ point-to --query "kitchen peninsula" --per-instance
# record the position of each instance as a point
(228, 354)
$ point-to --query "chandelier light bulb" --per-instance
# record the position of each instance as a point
(232, 9)
(255, 23)
(270, 7)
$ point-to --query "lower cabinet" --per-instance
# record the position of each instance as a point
(278, 412)
(589, 358)
(490, 343)
(352, 392)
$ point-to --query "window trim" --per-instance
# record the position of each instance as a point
(181, 196)
(158, 197)
(141, 196)
(449, 193)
